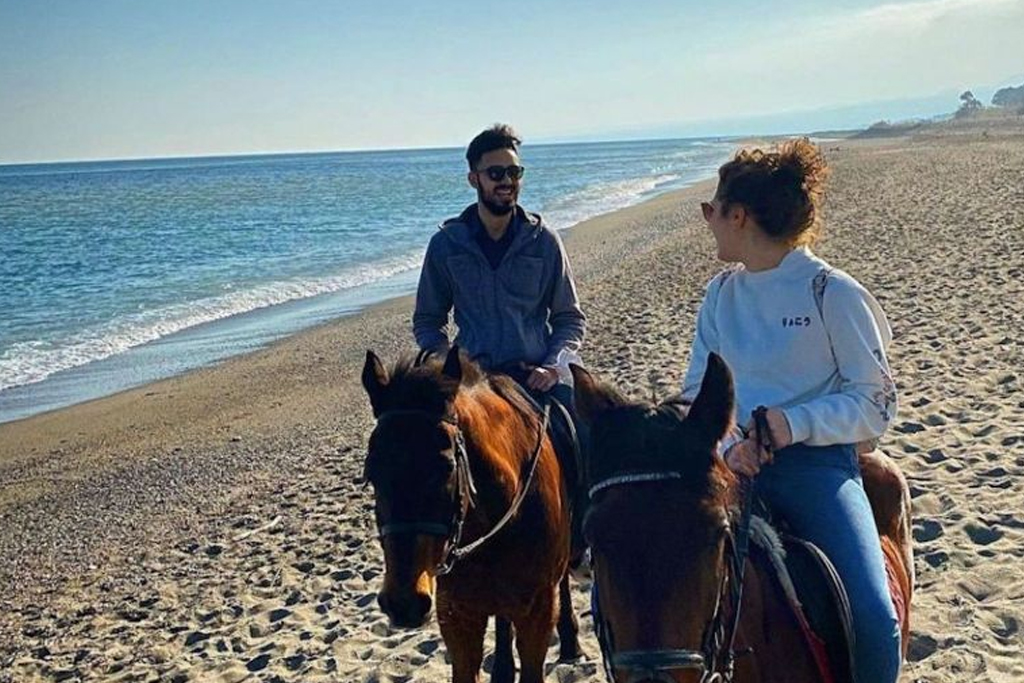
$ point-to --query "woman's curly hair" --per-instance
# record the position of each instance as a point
(783, 189)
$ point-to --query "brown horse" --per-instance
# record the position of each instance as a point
(661, 526)
(471, 501)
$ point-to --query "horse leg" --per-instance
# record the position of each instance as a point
(533, 633)
(568, 626)
(504, 668)
(463, 635)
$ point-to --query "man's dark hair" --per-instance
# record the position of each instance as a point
(498, 136)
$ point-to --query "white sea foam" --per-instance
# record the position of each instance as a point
(33, 361)
(601, 198)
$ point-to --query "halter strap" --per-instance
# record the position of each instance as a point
(398, 412)
(636, 478)
(459, 553)
(466, 490)
(716, 660)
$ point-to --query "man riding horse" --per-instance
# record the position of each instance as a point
(507, 277)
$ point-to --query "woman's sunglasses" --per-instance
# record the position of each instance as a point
(498, 173)
(708, 209)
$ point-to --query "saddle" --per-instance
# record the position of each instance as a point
(568, 449)
(815, 594)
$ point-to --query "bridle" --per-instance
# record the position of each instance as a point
(657, 665)
(465, 493)
(716, 658)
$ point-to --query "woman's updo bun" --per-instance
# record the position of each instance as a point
(783, 189)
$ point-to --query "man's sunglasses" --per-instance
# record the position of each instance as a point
(498, 173)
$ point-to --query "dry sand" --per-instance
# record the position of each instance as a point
(212, 528)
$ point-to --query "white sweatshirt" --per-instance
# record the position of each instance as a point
(825, 367)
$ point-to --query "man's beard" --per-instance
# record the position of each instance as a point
(495, 206)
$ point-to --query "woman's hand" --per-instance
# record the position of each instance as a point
(778, 429)
(745, 457)
(778, 425)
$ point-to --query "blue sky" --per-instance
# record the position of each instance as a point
(84, 79)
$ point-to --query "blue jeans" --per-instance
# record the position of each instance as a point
(819, 493)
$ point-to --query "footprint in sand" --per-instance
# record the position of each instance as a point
(1008, 627)
(933, 456)
(982, 534)
(921, 647)
(295, 662)
(995, 472)
(195, 638)
(278, 614)
(258, 663)
(926, 530)
(909, 428)
(936, 559)
(977, 588)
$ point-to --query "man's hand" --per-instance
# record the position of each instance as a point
(542, 378)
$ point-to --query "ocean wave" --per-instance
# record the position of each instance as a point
(601, 198)
(33, 361)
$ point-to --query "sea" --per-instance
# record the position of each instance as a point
(118, 273)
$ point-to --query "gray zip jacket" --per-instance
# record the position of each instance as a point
(526, 310)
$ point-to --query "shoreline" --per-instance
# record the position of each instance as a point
(184, 351)
(202, 523)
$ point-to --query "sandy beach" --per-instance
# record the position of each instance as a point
(212, 527)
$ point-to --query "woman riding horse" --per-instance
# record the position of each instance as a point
(809, 342)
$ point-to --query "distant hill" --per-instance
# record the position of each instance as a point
(991, 121)
(886, 129)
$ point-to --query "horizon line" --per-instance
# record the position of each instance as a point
(546, 142)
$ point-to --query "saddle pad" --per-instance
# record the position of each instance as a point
(825, 603)
(815, 594)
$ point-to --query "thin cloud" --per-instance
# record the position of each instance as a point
(888, 51)
(920, 15)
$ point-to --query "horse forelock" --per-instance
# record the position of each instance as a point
(423, 385)
(639, 437)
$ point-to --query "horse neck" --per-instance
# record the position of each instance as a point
(499, 441)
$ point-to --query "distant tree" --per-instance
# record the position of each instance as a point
(1009, 97)
(969, 104)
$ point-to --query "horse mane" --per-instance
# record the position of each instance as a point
(420, 382)
(703, 474)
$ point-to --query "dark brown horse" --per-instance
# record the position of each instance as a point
(661, 527)
(472, 506)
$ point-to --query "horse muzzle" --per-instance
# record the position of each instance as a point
(409, 611)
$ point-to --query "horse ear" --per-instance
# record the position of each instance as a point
(713, 407)
(591, 398)
(375, 379)
(452, 364)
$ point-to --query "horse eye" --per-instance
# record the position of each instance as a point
(443, 441)
(444, 470)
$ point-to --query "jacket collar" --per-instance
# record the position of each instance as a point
(460, 228)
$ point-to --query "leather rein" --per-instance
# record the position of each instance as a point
(465, 493)
(716, 658)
